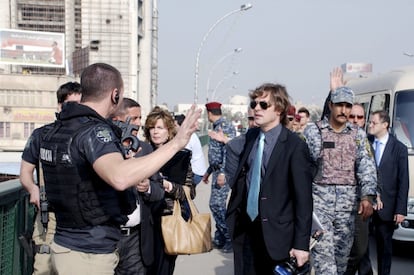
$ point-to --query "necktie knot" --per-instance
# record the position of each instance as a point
(261, 136)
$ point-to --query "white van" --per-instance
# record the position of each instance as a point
(394, 92)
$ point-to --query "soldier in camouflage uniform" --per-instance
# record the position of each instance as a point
(345, 167)
(219, 188)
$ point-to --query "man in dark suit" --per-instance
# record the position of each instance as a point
(271, 204)
(392, 160)
(136, 248)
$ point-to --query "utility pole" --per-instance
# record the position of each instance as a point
(154, 55)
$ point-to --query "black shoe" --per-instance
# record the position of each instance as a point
(227, 248)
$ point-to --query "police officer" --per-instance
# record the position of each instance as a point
(86, 174)
(219, 188)
(43, 231)
(344, 162)
(136, 247)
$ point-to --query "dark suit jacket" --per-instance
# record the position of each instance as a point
(394, 179)
(285, 202)
(147, 222)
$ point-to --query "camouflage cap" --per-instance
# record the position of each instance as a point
(342, 94)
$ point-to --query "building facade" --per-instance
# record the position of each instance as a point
(119, 33)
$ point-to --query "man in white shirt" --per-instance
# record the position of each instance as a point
(198, 162)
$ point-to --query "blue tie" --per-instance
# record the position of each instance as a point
(378, 152)
(253, 196)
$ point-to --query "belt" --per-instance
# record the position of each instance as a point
(42, 249)
(126, 231)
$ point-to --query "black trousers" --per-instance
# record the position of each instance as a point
(383, 236)
(243, 258)
(164, 264)
(359, 256)
(130, 261)
(250, 252)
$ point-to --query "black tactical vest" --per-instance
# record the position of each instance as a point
(77, 194)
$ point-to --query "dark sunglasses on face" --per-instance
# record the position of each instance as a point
(263, 104)
(353, 116)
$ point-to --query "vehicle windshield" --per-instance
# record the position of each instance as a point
(403, 124)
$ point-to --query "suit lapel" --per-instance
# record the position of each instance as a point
(251, 136)
(386, 155)
(277, 154)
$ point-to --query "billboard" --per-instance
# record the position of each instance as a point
(357, 68)
(33, 115)
(31, 48)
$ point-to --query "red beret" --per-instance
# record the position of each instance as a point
(291, 111)
(213, 106)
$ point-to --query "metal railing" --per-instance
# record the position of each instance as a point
(16, 219)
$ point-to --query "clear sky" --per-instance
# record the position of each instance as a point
(292, 42)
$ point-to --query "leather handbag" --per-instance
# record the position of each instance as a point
(186, 237)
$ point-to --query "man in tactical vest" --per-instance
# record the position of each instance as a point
(345, 165)
(45, 223)
(86, 175)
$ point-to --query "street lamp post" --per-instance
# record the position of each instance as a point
(213, 94)
(237, 50)
(220, 98)
(242, 8)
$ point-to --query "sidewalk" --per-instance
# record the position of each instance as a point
(212, 263)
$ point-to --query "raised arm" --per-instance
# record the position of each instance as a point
(121, 174)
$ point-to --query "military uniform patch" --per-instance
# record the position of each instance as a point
(103, 134)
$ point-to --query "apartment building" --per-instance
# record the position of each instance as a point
(119, 33)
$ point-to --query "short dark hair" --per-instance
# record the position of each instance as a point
(179, 119)
(125, 104)
(67, 89)
(98, 79)
(216, 112)
(383, 116)
(304, 110)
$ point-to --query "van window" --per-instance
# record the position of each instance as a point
(403, 122)
(380, 102)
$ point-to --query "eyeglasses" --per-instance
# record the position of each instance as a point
(357, 116)
(251, 118)
(263, 104)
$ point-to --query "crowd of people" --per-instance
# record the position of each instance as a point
(101, 192)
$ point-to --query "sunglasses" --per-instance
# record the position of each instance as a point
(353, 116)
(295, 117)
(263, 104)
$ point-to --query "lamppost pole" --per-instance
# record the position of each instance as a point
(242, 8)
(237, 50)
(213, 94)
